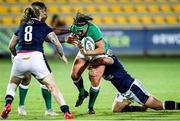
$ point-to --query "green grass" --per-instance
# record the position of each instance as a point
(161, 77)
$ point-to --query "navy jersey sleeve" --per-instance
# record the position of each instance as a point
(48, 29)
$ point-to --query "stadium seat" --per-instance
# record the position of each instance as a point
(165, 8)
(24, 1)
(65, 9)
(111, 1)
(128, 8)
(146, 20)
(17, 20)
(69, 20)
(3, 10)
(16, 10)
(158, 19)
(171, 19)
(124, 1)
(74, 1)
(121, 20)
(6, 20)
(99, 1)
(133, 19)
(115, 8)
(53, 9)
(11, 1)
(153, 8)
(78, 8)
(176, 8)
(140, 8)
(103, 8)
(90, 9)
(61, 1)
(86, 1)
(149, 1)
(97, 20)
(108, 20)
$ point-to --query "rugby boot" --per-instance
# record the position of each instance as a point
(6, 111)
(81, 98)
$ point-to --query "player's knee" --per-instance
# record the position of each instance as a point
(74, 76)
(52, 87)
(116, 110)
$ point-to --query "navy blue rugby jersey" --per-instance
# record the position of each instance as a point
(31, 35)
(118, 75)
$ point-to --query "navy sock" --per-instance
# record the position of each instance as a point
(79, 84)
(9, 99)
(65, 108)
(171, 105)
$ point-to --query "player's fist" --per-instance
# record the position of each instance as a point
(83, 51)
(71, 39)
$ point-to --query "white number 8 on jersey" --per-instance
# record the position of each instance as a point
(28, 33)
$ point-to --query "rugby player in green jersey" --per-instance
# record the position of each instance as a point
(83, 27)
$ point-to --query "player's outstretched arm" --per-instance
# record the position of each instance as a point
(61, 31)
(53, 38)
(12, 44)
(101, 61)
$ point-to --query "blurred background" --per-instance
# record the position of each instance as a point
(132, 27)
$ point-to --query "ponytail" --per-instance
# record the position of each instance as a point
(30, 12)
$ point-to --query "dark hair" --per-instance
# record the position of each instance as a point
(38, 4)
(82, 19)
(30, 12)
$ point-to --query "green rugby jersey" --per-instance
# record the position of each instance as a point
(94, 32)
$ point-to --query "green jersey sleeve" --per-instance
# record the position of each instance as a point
(96, 34)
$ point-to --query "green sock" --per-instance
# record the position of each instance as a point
(47, 98)
(79, 84)
(92, 98)
(22, 94)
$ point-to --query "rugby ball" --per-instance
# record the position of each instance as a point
(88, 43)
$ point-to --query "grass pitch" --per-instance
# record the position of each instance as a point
(161, 77)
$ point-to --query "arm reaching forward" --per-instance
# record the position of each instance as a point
(53, 38)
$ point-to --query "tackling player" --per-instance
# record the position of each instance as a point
(29, 57)
(129, 89)
(83, 27)
(23, 87)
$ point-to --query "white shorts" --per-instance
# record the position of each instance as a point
(33, 62)
(90, 58)
(136, 93)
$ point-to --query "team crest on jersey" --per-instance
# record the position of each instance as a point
(30, 22)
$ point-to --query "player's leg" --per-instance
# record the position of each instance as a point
(48, 102)
(140, 95)
(78, 68)
(156, 104)
(10, 93)
(122, 104)
(18, 70)
(95, 75)
(49, 81)
(43, 73)
(23, 89)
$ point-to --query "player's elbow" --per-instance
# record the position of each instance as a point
(11, 48)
